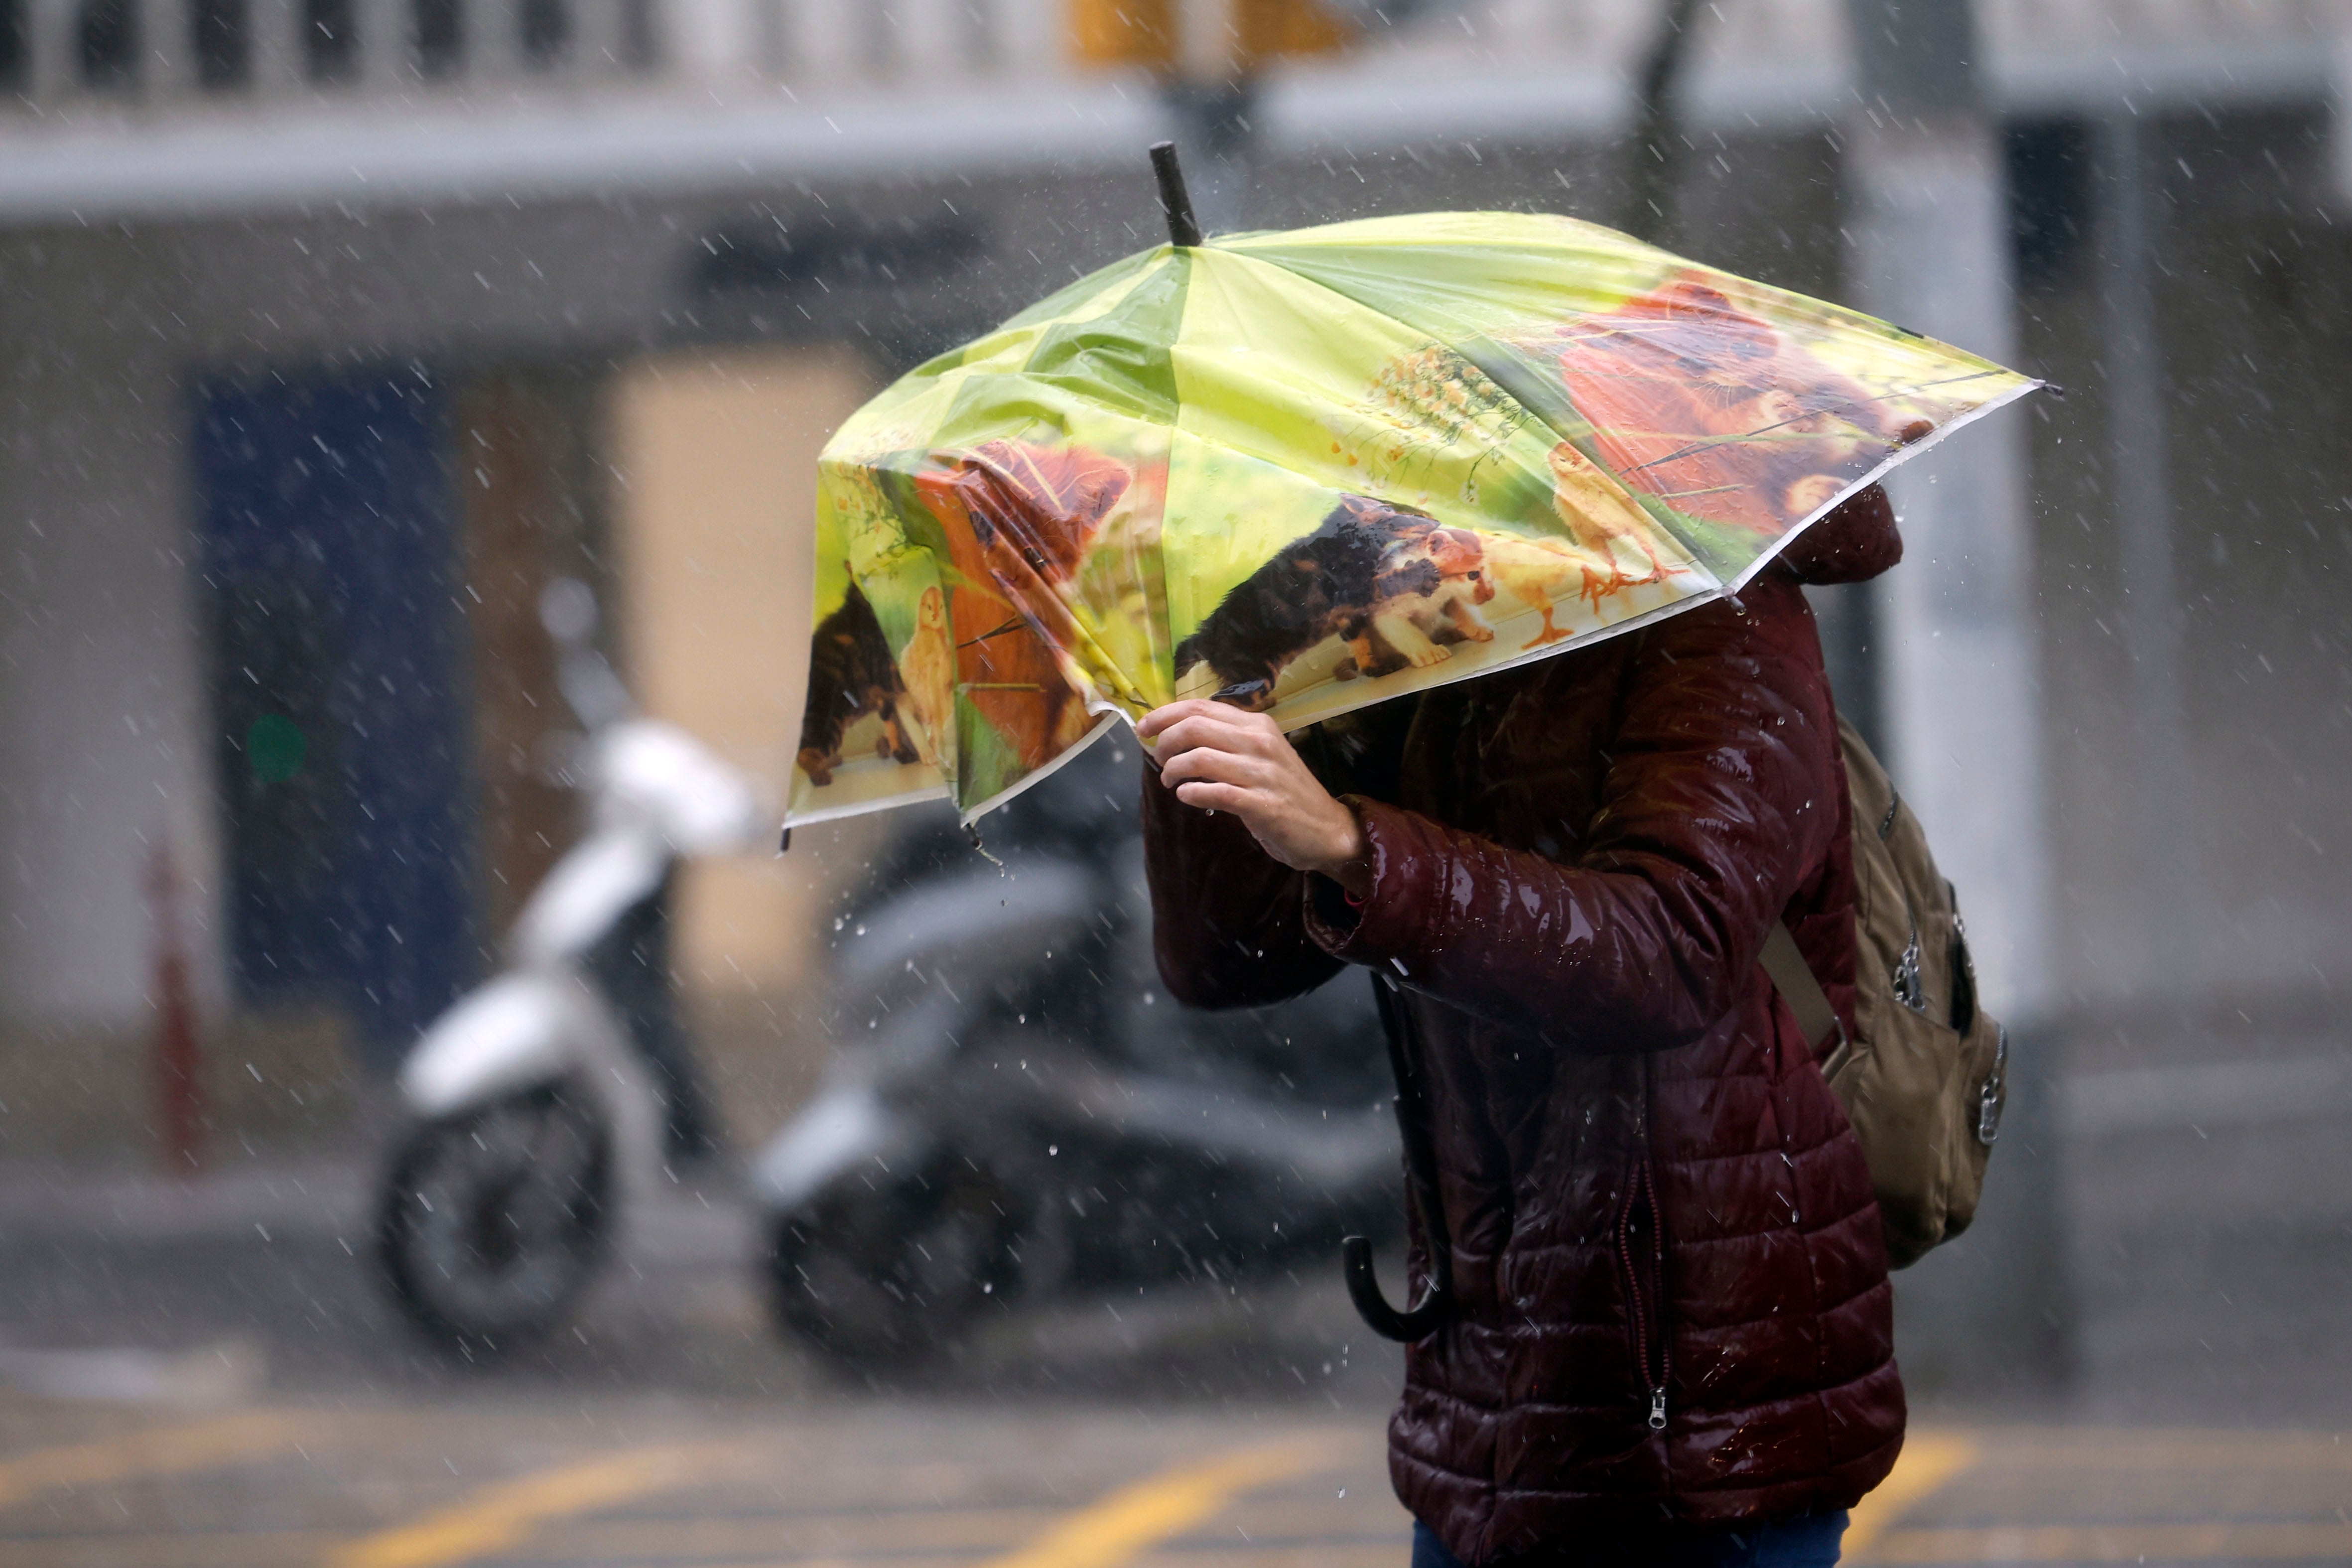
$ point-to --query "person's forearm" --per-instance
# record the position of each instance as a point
(1615, 961)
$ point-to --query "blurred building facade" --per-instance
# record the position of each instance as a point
(331, 330)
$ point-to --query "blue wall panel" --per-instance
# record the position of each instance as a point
(330, 560)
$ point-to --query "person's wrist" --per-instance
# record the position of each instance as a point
(1348, 861)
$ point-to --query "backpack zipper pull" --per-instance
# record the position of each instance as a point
(1658, 1408)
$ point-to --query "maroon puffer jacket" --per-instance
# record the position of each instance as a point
(1654, 1200)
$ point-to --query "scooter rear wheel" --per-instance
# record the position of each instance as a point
(899, 1273)
(494, 1220)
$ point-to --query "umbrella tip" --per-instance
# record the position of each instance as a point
(1183, 228)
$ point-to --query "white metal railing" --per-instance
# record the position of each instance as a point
(168, 52)
(164, 51)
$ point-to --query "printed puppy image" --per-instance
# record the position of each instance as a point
(1695, 400)
(850, 675)
(1430, 587)
(926, 665)
(1395, 584)
(1824, 449)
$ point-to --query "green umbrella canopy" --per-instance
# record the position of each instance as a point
(1312, 470)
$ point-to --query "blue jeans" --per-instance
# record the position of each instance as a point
(1808, 1540)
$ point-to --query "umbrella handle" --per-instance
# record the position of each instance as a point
(1420, 1190)
(1364, 1291)
(1183, 228)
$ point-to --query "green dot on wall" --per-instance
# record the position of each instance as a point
(274, 748)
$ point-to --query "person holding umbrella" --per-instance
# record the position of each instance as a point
(1670, 1332)
(1507, 517)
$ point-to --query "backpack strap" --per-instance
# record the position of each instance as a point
(1793, 977)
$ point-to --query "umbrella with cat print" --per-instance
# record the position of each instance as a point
(1310, 470)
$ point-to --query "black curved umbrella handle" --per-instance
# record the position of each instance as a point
(1363, 1290)
(1420, 1190)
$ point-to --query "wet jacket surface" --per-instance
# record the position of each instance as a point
(1656, 1205)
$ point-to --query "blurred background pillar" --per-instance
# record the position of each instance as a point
(1957, 640)
(381, 43)
(1209, 85)
(275, 27)
(713, 454)
(1209, 57)
(2162, 808)
(171, 69)
(49, 69)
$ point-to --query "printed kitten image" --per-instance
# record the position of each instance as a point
(850, 675)
(1397, 585)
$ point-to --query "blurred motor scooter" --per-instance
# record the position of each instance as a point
(1015, 1110)
(546, 1102)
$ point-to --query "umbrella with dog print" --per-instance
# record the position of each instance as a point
(1310, 470)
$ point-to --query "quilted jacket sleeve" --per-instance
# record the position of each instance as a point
(1227, 919)
(1717, 801)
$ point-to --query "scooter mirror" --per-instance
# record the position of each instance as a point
(567, 608)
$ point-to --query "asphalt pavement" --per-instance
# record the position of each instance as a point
(206, 1374)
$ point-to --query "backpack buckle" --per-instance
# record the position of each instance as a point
(1989, 1097)
(1909, 988)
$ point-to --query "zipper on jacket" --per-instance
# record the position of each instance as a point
(1642, 1253)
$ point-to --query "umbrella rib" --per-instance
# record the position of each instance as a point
(1844, 405)
(1014, 625)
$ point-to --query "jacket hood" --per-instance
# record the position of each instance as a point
(1854, 544)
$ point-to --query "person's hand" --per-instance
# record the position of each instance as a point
(1221, 758)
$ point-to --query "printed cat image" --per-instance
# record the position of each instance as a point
(1397, 585)
(851, 675)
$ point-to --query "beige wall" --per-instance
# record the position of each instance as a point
(715, 464)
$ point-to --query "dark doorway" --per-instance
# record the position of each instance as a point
(223, 43)
(109, 44)
(2048, 199)
(16, 45)
(546, 32)
(339, 699)
(439, 36)
(331, 40)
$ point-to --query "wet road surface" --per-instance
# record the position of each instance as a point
(888, 1484)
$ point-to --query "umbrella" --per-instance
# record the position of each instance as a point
(1305, 471)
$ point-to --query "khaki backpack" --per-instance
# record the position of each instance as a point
(1925, 1073)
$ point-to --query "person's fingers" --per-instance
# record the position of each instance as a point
(1158, 719)
(1221, 766)
(1212, 796)
(1223, 715)
(1208, 731)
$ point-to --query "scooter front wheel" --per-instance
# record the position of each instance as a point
(897, 1273)
(493, 1220)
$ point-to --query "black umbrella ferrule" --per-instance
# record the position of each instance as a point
(1183, 228)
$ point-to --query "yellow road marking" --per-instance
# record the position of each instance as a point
(153, 1451)
(2328, 1541)
(971, 1531)
(1929, 1460)
(180, 1549)
(2109, 1448)
(1107, 1533)
(508, 1511)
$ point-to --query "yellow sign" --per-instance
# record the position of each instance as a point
(1149, 33)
